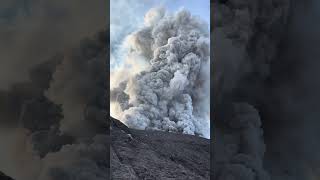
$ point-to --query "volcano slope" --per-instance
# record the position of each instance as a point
(137, 154)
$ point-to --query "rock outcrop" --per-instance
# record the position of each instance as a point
(137, 154)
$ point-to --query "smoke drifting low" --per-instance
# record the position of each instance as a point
(171, 91)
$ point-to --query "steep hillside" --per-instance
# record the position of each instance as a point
(137, 154)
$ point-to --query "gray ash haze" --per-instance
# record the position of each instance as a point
(33, 30)
(165, 83)
(53, 90)
(56, 128)
(266, 89)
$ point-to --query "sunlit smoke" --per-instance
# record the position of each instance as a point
(164, 84)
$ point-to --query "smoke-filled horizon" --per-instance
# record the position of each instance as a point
(164, 83)
(266, 69)
(32, 31)
(54, 126)
(53, 89)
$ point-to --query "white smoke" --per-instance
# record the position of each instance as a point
(172, 92)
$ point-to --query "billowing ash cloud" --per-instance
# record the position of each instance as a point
(83, 96)
(52, 99)
(123, 23)
(86, 160)
(32, 31)
(172, 92)
(269, 50)
(239, 153)
(55, 126)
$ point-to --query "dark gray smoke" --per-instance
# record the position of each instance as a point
(61, 134)
(55, 127)
(172, 92)
(40, 139)
(32, 31)
(265, 55)
(83, 96)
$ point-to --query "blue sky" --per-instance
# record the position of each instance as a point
(127, 15)
(196, 7)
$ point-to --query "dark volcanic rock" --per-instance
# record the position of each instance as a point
(137, 154)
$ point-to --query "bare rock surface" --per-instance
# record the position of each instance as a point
(137, 154)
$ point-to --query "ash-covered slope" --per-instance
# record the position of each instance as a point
(140, 154)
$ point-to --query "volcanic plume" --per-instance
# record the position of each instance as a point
(171, 91)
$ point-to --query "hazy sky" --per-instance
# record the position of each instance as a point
(127, 15)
